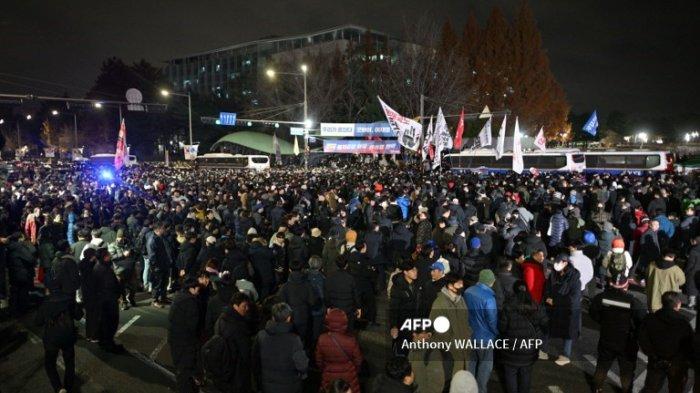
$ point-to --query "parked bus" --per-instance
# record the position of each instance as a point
(555, 160)
(230, 161)
(628, 161)
(107, 159)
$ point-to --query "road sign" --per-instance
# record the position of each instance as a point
(227, 118)
(296, 130)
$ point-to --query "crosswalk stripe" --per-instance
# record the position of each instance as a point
(613, 377)
(555, 389)
(127, 325)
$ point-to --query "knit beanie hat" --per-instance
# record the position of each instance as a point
(351, 236)
(618, 242)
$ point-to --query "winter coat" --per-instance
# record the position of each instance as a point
(665, 225)
(666, 335)
(56, 315)
(338, 354)
(279, 357)
(400, 242)
(428, 293)
(565, 314)
(424, 232)
(183, 318)
(341, 292)
(474, 262)
(584, 266)
(66, 274)
(483, 312)
(297, 249)
(158, 255)
(649, 247)
(534, 243)
(384, 384)
(300, 296)
(619, 314)
(515, 324)
(216, 305)
(316, 245)
(77, 248)
(428, 369)
(21, 262)
(558, 225)
(106, 285)
(662, 277)
(503, 287)
(187, 258)
(533, 275)
(235, 329)
(263, 260)
(403, 301)
(692, 267)
(318, 283)
(375, 248)
(455, 310)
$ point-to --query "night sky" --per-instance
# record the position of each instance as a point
(640, 57)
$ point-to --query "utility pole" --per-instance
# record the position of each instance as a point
(19, 143)
(306, 129)
(422, 114)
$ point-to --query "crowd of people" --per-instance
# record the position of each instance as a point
(269, 276)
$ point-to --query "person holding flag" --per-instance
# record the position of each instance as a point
(540, 140)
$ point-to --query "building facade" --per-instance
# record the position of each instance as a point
(220, 71)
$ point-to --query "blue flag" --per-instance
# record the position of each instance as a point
(591, 125)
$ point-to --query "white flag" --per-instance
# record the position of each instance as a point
(540, 140)
(486, 113)
(427, 141)
(485, 134)
(407, 130)
(517, 150)
(443, 140)
(296, 146)
(437, 160)
(501, 139)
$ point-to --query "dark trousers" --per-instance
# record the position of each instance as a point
(517, 379)
(50, 357)
(19, 297)
(369, 305)
(160, 284)
(92, 320)
(185, 360)
(626, 360)
(108, 322)
(677, 374)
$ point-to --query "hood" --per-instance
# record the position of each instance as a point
(336, 321)
(273, 328)
(664, 264)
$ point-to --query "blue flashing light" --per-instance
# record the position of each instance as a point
(106, 175)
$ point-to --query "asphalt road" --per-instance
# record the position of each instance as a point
(147, 367)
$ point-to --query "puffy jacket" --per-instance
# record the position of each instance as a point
(663, 276)
(341, 291)
(619, 314)
(21, 261)
(338, 353)
(236, 331)
(666, 335)
(57, 314)
(533, 275)
(300, 296)
(483, 312)
(279, 357)
(558, 225)
(405, 205)
(183, 320)
(514, 324)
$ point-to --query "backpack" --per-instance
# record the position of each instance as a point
(617, 264)
(218, 359)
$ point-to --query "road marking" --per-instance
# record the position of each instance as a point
(33, 338)
(555, 389)
(127, 325)
(642, 356)
(613, 377)
(639, 381)
(153, 364)
(159, 348)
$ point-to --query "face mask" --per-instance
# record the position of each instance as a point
(559, 266)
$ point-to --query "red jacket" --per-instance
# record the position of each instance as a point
(533, 275)
(339, 358)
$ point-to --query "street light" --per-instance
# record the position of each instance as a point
(54, 112)
(166, 93)
(98, 105)
(28, 117)
(2, 121)
(271, 73)
(642, 136)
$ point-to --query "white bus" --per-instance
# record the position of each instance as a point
(615, 162)
(230, 161)
(107, 159)
(553, 160)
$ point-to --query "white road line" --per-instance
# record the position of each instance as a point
(642, 356)
(153, 364)
(127, 325)
(613, 377)
(639, 381)
(33, 338)
(555, 389)
(159, 348)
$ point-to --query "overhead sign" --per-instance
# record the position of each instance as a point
(227, 118)
(380, 129)
(296, 131)
(361, 147)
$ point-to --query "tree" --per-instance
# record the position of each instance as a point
(493, 64)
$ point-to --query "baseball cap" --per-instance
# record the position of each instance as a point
(437, 266)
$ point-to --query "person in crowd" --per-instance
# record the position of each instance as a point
(463, 382)
(563, 301)
(65, 271)
(20, 263)
(450, 304)
(107, 293)
(619, 315)
(125, 269)
(365, 276)
(520, 318)
(651, 244)
(666, 337)
(617, 261)
(341, 291)
(398, 377)
(483, 320)
(186, 263)
(218, 303)
(428, 366)
(533, 274)
(692, 270)
(503, 287)
(301, 297)
(183, 336)
(279, 359)
(318, 284)
(338, 353)
(159, 260)
(234, 326)
(56, 315)
(663, 276)
(429, 291)
(582, 263)
(403, 299)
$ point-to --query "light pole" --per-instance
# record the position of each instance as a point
(166, 93)
(307, 122)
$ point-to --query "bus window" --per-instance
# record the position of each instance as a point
(260, 160)
(652, 161)
(578, 158)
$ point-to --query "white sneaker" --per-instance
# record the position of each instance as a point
(63, 391)
(562, 361)
(543, 355)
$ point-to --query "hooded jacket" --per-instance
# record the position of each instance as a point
(338, 353)
(666, 335)
(279, 358)
(663, 276)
